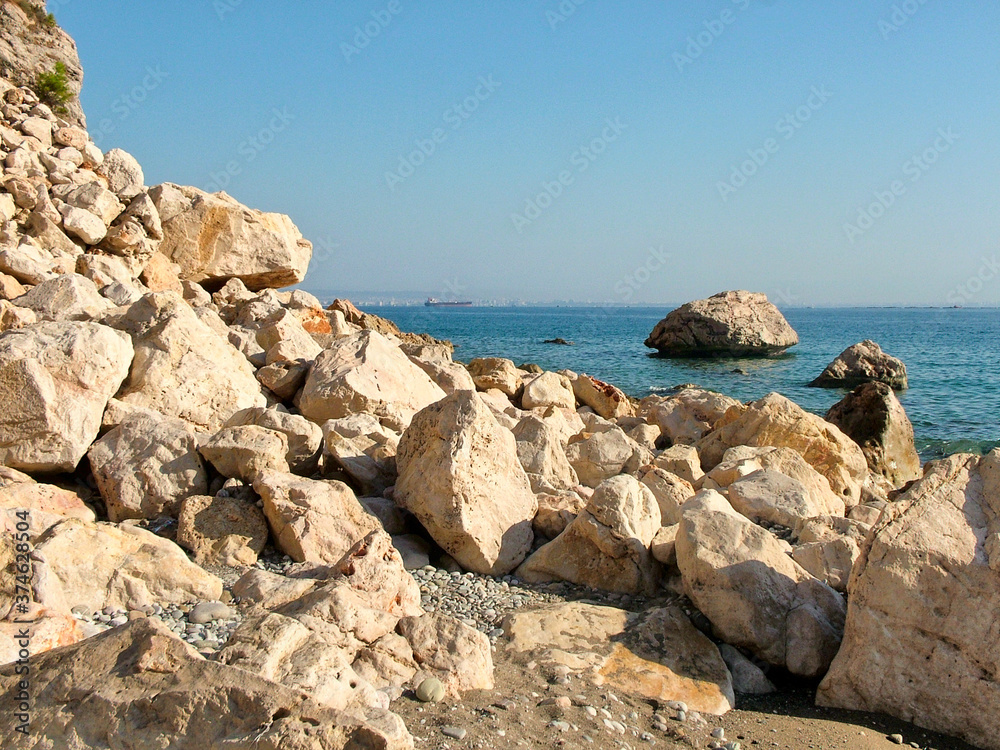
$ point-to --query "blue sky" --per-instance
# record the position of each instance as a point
(622, 152)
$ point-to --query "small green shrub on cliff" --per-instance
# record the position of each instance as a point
(39, 14)
(53, 88)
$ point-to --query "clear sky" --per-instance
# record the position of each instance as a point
(611, 151)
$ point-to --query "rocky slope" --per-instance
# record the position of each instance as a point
(32, 44)
(216, 494)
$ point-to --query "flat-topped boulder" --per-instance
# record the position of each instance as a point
(214, 238)
(728, 324)
(864, 362)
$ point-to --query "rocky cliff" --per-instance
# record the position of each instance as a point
(32, 44)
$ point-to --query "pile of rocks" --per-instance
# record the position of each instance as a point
(170, 416)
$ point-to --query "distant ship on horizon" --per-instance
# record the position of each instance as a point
(434, 302)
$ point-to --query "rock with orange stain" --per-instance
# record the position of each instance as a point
(46, 630)
(657, 654)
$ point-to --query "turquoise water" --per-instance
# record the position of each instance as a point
(952, 358)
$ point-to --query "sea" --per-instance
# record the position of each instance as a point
(952, 357)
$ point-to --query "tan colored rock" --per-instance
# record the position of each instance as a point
(221, 530)
(863, 363)
(139, 686)
(123, 173)
(160, 274)
(312, 521)
(493, 372)
(776, 421)
(123, 567)
(683, 461)
(728, 324)
(663, 547)
(48, 630)
(548, 389)
(10, 288)
(657, 655)
(13, 317)
(283, 379)
(449, 376)
(756, 597)
(923, 603)
(540, 451)
(447, 649)
(46, 504)
(743, 460)
(687, 416)
(146, 466)
(247, 451)
(599, 456)
(748, 678)
(556, 511)
(872, 416)
(770, 496)
(305, 439)
(364, 599)
(459, 474)
(366, 373)
(27, 263)
(646, 435)
(282, 649)
(670, 491)
(213, 238)
(829, 561)
(603, 398)
(55, 380)
(271, 590)
(96, 199)
(364, 450)
(285, 339)
(67, 297)
(183, 368)
(607, 545)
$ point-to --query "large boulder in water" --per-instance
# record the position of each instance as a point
(922, 640)
(728, 324)
(863, 363)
